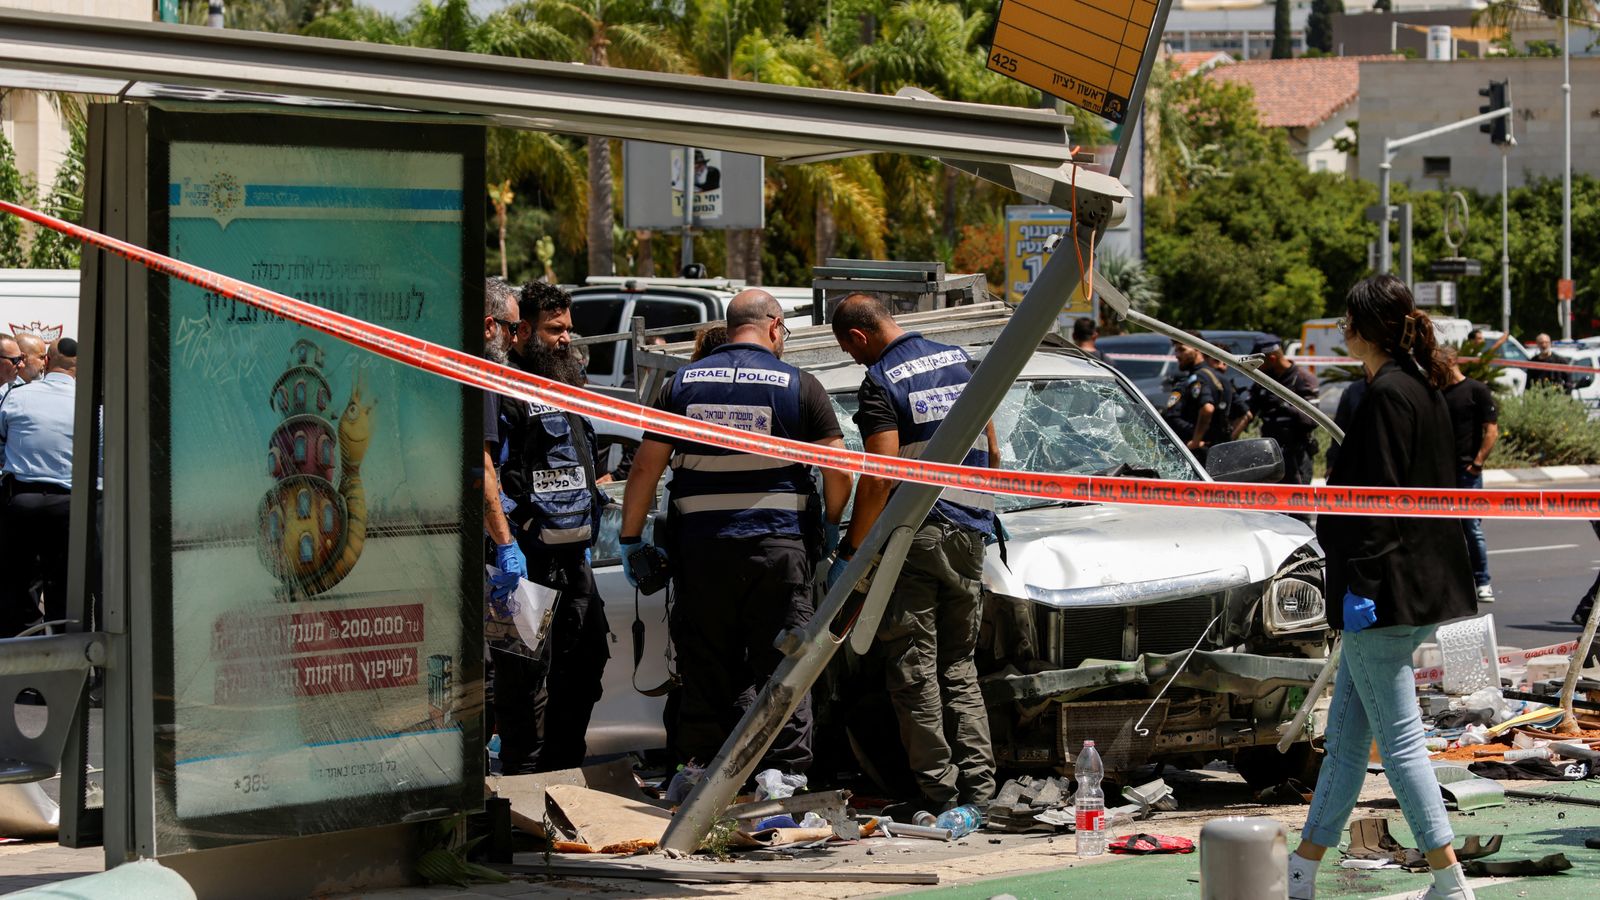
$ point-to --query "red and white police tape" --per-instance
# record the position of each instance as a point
(481, 373)
(1348, 361)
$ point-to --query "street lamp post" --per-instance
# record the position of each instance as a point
(1566, 168)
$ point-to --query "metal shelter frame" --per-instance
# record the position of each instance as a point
(198, 68)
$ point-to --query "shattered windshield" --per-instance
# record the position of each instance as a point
(1073, 426)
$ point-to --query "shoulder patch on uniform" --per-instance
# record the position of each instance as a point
(1194, 389)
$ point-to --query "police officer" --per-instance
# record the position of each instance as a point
(1294, 430)
(36, 428)
(543, 702)
(929, 631)
(1199, 406)
(747, 530)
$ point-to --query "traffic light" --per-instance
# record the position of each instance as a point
(1499, 131)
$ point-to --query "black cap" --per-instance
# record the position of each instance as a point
(1267, 344)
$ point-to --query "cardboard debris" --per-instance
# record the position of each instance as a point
(605, 821)
(527, 792)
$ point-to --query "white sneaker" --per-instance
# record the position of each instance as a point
(1485, 593)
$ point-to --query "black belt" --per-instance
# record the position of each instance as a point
(16, 487)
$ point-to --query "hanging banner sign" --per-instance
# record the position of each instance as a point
(1087, 52)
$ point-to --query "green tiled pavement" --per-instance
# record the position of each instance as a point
(1532, 830)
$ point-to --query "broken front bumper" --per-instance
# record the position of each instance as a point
(1234, 700)
(1245, 675)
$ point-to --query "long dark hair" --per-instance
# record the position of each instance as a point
(1382, 310)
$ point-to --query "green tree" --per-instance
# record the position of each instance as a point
(13, 188)
(1319, 24)
(1282, 43)
(51, 249)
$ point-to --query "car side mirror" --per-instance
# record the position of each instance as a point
(1259, 461)
(1582, 381)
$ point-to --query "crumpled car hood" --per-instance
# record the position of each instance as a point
(1107, 555)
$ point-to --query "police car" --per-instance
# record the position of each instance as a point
(1090, 609)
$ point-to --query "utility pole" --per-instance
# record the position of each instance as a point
(1489, 116)
(1565, 291)
(1498, 95)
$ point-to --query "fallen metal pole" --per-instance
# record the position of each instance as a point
(1248, 366)
(1569, 687)
(1553, 798)
(713, 876)
(1298, 725)
(808, 650)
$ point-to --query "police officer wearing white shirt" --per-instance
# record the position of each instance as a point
(747, 530)
(36, 427)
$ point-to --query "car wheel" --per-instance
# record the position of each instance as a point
(1263, 767)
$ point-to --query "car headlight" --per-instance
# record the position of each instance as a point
(1293, 604)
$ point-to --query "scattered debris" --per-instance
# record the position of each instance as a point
(1474, 847)
(1144, 844)
(574, 868)
(607, 823)
(1289, 793)
(1554, 864)
(1370, 840)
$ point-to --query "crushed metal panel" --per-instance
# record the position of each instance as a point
(1467, 790)
(745, 117)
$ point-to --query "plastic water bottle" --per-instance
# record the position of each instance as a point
(962, 821)
(1091, 802)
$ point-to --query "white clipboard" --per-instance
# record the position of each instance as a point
(532, 607)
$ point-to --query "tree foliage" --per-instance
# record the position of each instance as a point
(13, 188)
(1319, 24)
(1282, 30)
(1240, 234)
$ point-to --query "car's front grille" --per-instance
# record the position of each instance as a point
(1088, 634)
(1173, 627)
(1097, 633)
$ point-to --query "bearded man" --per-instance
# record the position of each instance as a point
(544, 696)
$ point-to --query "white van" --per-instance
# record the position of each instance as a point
(42, 302)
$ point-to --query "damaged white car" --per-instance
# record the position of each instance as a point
(1166, 635)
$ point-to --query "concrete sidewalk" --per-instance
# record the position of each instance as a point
(1028, 866)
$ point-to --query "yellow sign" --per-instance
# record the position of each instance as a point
(1028, 228)
(1086, 52)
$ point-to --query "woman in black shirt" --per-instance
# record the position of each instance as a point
(1395, 579)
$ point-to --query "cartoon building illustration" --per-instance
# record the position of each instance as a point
(312, 533)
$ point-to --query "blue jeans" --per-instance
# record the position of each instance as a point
(1477, 547)
(1374, 691)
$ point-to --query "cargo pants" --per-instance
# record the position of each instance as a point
(928, 635)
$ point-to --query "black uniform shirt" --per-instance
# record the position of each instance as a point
(1279, 420)
(1471, 404)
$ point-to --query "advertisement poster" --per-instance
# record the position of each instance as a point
(318, 499)
(1028, 228)
(707, 178)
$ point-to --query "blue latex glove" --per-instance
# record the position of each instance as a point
(513, 568)
(1359, 612)
(836, 571)
(588, 556)
(627, 551)
(830, 537)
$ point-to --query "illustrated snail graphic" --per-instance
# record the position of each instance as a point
(312, 534)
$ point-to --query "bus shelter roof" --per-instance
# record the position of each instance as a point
(160, 63)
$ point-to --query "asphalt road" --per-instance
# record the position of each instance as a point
(1539, 570)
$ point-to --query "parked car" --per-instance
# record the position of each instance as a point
(1090, 609)
(609, 306)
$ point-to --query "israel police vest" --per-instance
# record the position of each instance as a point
(923, 380)
(724, 493)
(547, 480)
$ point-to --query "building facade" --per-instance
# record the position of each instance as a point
(29, 121)
(1404, 97)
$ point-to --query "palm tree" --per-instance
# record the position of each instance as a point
(596, 33)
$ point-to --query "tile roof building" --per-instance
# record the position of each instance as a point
(1312, 99)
